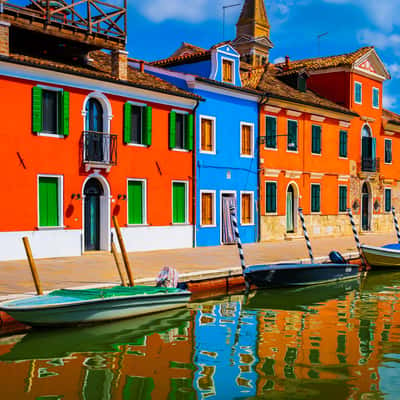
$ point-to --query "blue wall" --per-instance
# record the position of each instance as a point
(202, 68)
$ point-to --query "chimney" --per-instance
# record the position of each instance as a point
(4, 38)
(141, 66)
(119, 64)
(287, 62)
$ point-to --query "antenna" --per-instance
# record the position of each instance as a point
(223, 17)
(319, 41)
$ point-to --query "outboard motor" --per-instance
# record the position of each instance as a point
(336, 258)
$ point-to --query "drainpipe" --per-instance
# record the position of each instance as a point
(194, 177)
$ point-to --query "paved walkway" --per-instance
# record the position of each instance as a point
(96, 268)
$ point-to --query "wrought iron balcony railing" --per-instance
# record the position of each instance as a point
(370, 165)
(99, 148)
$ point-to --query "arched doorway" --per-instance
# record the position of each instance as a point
(365, 207)
(93, 191)
(290, 209)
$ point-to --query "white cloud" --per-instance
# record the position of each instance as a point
(389, 102)
(394, 70)
(279, 60)
(380, 40)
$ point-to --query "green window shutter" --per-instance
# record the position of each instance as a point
(147, 125)
(342, 198)
(127, 122)
(343, 144)
(388, 200)
(135, 202)
(37, 109)
(315, 198)
(292, 136)
(179, 203)
(270, 132)
(172, 129)
(388, 151)
(316, 139)
(270, 197)
(358, 92)
(189, 132)
(48, 202)
(64, 114)
(373, 148)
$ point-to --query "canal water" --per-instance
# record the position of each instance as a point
(337, 341)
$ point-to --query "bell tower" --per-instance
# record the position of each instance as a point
(252, 33)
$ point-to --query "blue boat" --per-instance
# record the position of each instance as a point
(82, 306)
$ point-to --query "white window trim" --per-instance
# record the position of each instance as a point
(48, 134)
(144, 201)
(347, 199)
(265, 144)
(361, 85)
(233, 70)
(214, 196)
(297, 136)
(320, 202)
(276, 198)
(384, 200)
(251, 125)
(379, 98)
(186, 203)
(384, 151)
(320, 153)
(141, 105)
(60, 179)
(214, 133)
(251, 205)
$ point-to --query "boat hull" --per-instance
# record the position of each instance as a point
(94, 311)
(287, 275)
(382, 257)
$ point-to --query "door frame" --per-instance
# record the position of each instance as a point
(295, 205)
(105, 213)
(229, 192)
(369, 208)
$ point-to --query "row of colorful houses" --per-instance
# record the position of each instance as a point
(169, 146)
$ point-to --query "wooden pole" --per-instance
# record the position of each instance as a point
(32, 265)
(115, 254)
(123, 251)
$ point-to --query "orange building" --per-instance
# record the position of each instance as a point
(86, 137)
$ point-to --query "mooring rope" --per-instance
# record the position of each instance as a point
(232, 211)
(396, 224)
(355, 234)
(303, 225)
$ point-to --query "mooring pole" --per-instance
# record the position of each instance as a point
(303, 225)
(118, 264)
(232, 211)
(32, 265)
(355, 234)
(123, 251)
(396, 224)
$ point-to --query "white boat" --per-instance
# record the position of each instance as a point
(382, 257)
(81, 306)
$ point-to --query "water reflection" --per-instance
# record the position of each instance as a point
(337, 341)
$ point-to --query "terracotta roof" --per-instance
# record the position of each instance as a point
(313, 64)
(266, 80)
(186, 49)
(99, 67)
(391, 117)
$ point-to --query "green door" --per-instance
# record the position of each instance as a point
(289, 210)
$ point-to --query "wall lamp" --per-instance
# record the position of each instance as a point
(122, 197)
(76, 196)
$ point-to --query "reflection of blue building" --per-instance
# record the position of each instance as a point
(225, 353)
(226, 140)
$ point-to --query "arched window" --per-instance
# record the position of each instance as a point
(94, 115)
(368, 150)
(366, 131)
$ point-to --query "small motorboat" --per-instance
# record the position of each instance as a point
(387, 256)
(82, 306)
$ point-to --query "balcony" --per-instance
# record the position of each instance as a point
(369, 165)
(99, 150)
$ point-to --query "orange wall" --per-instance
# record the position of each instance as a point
(48, 155)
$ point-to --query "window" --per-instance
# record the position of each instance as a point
(50, 212)
(342, 198)
(138, 123)
(388, 151)
(315, 198)
(180, 131)
(227, 71)
(246, 140)
(207, 138)
(358, 92)
(375, 97)
(207, 208)
(270, 197)
(270, 132)
(388, 200)
(343, 144)
(316, 139)
(292, 135)
(50, 111)
(179, 203)
(246, 211)
(136, 202)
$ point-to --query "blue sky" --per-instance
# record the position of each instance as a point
(157, 28)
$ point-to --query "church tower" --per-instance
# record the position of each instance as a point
(252, 33)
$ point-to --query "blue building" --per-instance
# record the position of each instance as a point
(226, 157)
